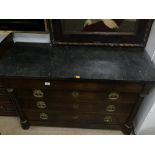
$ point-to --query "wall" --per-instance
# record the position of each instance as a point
(31, 37)
(3, 35)
(27, 37)
(150, 47)
(144, 122)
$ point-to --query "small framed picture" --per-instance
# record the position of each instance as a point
(23, 25)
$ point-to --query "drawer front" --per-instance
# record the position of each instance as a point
(77, 85)
(82, 96)
(96, 107)
(47, 116)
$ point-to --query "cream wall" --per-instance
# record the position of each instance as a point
(27, 37)
(150, 47)
(145, 120)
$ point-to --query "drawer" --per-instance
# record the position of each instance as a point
(86, 107)
(78, 96)
(47, 116)
(77, 85)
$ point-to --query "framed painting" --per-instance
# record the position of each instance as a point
(106, 32)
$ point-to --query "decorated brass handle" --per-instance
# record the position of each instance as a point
(110, 108)
(38, 93)
(75, 94)
(107, 119)
(43, 116)
(75, 106)
(10, 90)
(41, 105)
(75, 117)
(113, 96)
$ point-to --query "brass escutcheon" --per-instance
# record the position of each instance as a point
(75, 94)
(75, 117)
(75, 105)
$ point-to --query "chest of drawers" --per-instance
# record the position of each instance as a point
(68, 86)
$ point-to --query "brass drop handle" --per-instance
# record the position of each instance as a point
(113, 96)
(75, 117)
(43, 116)
(38, 93)
(41, 104)
(107, 119)
(110, 108)
(10, 90)
(75, 94)
(75, 106)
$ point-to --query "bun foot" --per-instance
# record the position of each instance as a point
(127, 129)
(25, 125)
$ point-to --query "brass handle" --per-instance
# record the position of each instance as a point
(75, 94)
(43, 116)
(75, 106)
(75, 117)
(41, 105)
(113, 96)
(110, 108)
(107, 119)
(10, 90)
(38, 93)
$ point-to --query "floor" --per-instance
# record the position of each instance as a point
(11, 126)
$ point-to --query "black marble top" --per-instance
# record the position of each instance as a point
(40, 60)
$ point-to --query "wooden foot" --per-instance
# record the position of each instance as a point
(127, 129)
(25, 125)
